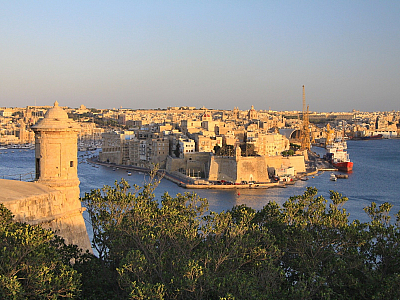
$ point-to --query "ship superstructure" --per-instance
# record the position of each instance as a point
(337, 155)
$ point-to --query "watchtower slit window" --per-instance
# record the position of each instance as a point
(37, 168)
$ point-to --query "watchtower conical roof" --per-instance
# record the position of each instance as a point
(56, 118)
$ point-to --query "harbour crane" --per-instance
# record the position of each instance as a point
(305, 130)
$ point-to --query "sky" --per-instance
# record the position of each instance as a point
(213, 54)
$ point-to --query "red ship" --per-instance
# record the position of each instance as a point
(346, 166)
(337, 155)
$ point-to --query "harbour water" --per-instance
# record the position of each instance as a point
(374, 178)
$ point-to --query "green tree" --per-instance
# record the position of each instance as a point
(34, 264)
(382, 252)
(226, 150)
(289, 152)
(328, 257)
(176, 248)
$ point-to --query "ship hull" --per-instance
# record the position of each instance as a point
(369, 137)
(373, 137)
(344, 166)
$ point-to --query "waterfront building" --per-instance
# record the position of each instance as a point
(115, 146)
(159, 151)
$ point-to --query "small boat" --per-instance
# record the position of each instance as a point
(129, 173)
(342, 176)
(333, 177)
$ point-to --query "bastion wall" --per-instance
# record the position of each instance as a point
(235, 169)
(278, 162)
(197, 161)
(111, 157)
(254, 168)
(36, 204)
(223, 168)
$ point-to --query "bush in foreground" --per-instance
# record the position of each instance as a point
(34, 263)
(178, 249)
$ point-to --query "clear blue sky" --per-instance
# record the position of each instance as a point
(217, 54)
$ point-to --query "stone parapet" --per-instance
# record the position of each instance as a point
(37, 204)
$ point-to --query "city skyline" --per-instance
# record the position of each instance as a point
(220, 55)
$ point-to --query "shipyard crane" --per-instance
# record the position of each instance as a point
(305, 131)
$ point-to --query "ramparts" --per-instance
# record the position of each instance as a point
(37, 204)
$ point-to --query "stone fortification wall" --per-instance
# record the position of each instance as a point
(242, 169)
(233, 169)
(298, 163)
(302, 153)
(37, 204)
(253, 169)
(277, 162)
(111, 157)
(197, 161)
(223, 168)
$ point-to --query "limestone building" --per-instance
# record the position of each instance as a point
(52, 200)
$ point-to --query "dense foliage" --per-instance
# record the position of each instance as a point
(34, 264)
(177, 248)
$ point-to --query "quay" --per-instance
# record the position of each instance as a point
(189, 183)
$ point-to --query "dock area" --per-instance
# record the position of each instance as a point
(314, 165)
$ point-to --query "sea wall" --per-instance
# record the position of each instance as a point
(239, 169)
(197, 161)
(278, 162)
(298, 163)
(235, 169)
(111, 157)
(253, 169)
(223, 168)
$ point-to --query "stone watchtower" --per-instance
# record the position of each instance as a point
(56, 152)
(57, 167)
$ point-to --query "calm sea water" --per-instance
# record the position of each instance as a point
(375, 177)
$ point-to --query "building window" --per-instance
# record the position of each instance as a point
(71, 163)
